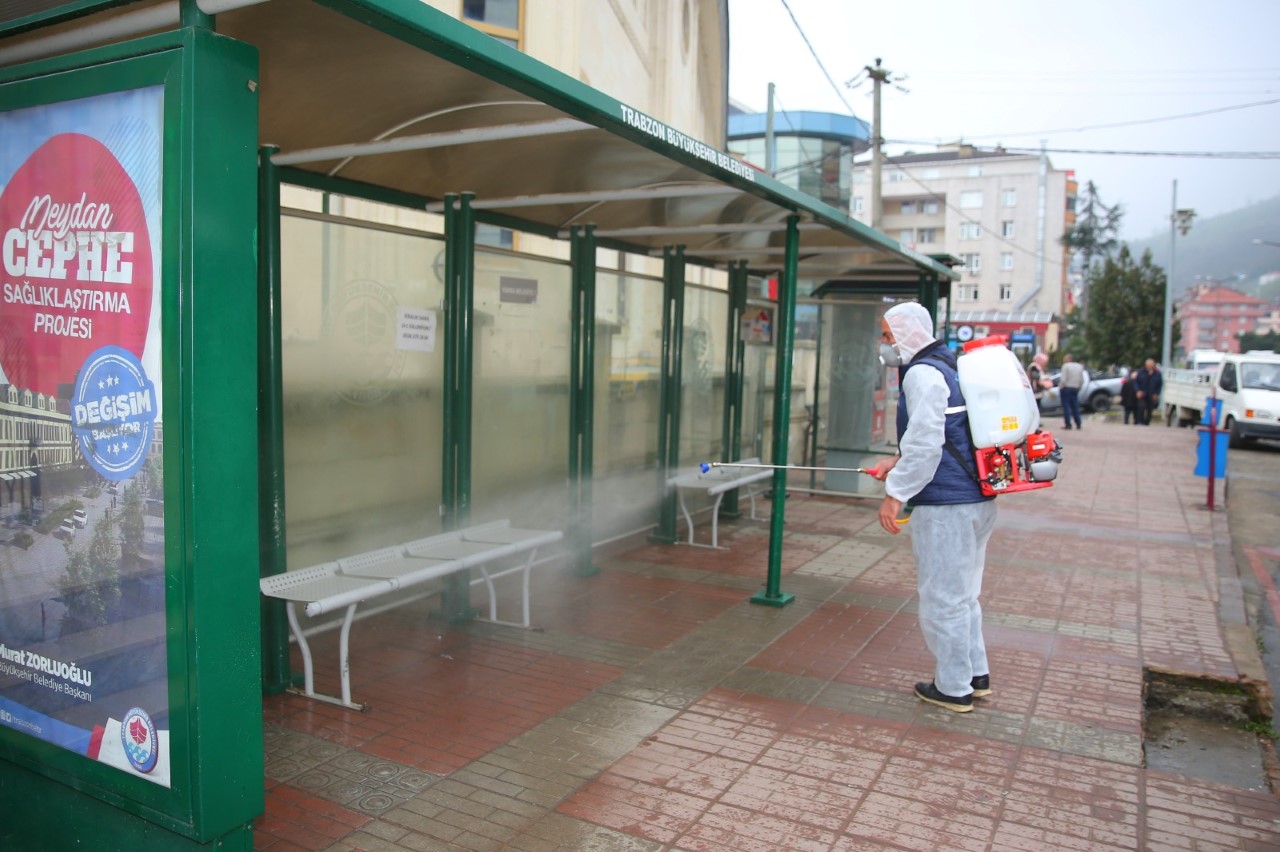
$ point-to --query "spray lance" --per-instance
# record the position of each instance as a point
(706, 467)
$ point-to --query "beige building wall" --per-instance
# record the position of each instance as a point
(667, 58)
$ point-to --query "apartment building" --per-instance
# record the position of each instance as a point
(1003, 214)
(1211, 315)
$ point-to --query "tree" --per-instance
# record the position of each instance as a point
(1128, 310)
(132, 524)
(1094, 235)
(1252, 340)
(91, 586)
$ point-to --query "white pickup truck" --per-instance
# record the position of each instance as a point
(1248, 387)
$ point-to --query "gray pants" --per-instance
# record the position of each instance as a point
(950, 547)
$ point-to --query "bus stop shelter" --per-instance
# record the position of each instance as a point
(394, 102)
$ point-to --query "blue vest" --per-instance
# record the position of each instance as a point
(951, 483)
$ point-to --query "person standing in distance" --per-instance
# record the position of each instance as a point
(1069, 387)
(1149, 383)
(951, 520)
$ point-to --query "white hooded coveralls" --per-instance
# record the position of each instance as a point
(949, 542)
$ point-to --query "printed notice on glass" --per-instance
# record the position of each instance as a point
(415, 329)
(83, 659)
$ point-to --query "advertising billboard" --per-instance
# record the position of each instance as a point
(83, 659)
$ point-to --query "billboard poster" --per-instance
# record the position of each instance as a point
(83, 661)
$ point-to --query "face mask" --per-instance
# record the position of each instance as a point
(889, 355)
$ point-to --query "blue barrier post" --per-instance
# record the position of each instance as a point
(1211, 459)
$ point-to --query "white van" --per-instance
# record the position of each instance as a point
(1204, 359)
(1249, 387)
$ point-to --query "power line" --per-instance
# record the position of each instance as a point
(1121, 123)
(1212, 155)
(816, 58)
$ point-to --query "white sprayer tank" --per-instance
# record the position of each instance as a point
(997, 393)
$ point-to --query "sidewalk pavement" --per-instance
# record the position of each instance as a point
(657, 708)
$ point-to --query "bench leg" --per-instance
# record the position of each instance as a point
(688, 519)
(308, 665)
(715, 520)
(525, 570)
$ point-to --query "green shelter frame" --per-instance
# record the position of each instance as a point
(395, 102)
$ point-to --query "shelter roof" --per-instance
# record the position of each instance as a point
(395, 99)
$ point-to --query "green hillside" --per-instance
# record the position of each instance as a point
(1221, 247)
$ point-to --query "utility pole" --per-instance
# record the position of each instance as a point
(878, 76)
(1179, 223)
(770, 144)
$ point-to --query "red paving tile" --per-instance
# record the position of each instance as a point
(297, 820)
(740, 771)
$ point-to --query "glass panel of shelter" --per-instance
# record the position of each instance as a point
(362, 430)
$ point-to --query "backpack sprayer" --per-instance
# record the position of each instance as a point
(1011, 452)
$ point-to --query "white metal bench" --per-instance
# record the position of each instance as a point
(715, 483)
(352, 580)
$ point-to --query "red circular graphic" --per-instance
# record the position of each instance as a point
(75, 262)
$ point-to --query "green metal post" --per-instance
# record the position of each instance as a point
(669, 388)
(731, 431)
(785, 325)
(460, 227)
(466, 346)
(575, 369)
(929, 297)
(815, 413)
(448, 474)
(738, 293)
(946, 324)
(276, 676)
(191, 15)
(584, 389)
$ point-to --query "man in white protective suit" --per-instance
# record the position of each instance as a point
(951, 521)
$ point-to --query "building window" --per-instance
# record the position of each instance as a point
(858, 204)
(499, 18)
(975, 171)
(1010, 198)
(492, 235)
(1006, 292)
(927, 235)
(906, 235)
(931, 174)
(971, 262)
(970, 231)
(967, 293)
(929, 208)
(1006, 228)
(908, 208)
(896, 177)
(1006, 260)
(971, 199)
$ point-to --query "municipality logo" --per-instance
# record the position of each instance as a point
(138, 737)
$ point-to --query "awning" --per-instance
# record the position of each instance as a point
(396, 98)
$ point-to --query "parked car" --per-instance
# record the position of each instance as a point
(66, 530)
(1099, 393)
(80, 518)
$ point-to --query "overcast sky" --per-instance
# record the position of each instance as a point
(1016, 72)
